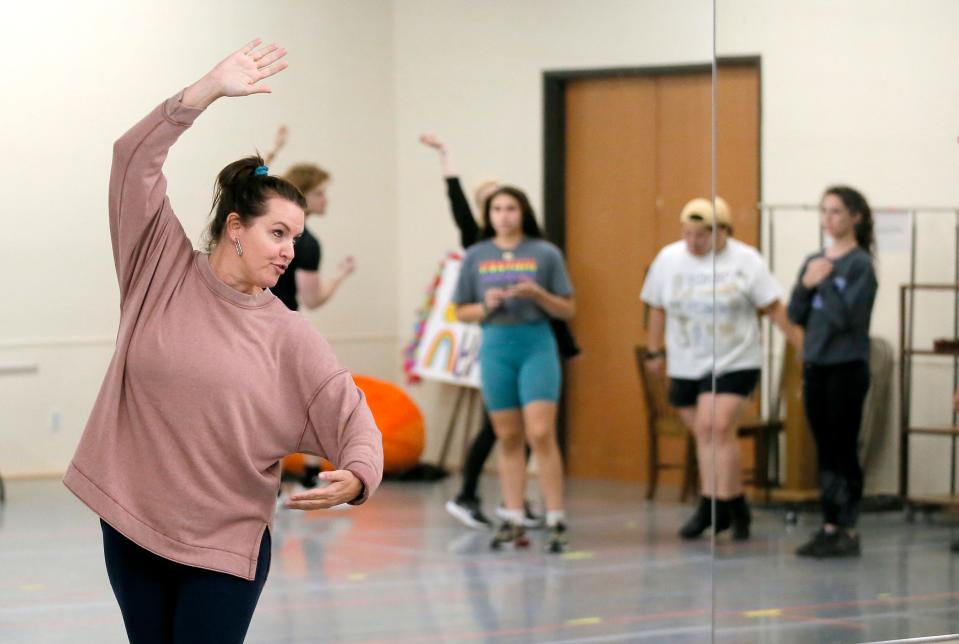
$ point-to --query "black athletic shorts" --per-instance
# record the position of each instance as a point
(684, 393)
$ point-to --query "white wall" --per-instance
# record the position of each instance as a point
(858, 91)
(863, 92)
(473, 72)
(87, 71)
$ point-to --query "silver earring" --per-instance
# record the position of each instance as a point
(239, 249)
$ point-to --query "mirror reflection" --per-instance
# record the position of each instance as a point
(428, 233)
(856, 219)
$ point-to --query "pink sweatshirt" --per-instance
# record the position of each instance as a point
(209, 387)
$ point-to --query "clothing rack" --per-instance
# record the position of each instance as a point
(907, 350)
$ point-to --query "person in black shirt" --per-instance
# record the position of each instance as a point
(466, 506)
(301, 283)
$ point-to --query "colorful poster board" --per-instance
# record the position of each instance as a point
(448, 350)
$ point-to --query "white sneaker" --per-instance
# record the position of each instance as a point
(468, 513)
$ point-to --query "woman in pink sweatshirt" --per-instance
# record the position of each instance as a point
(213, 381)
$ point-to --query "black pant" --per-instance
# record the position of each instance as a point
(476, 458)
(834, 396)
(165, 602)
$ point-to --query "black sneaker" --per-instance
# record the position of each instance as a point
(816, 544)
(556, 541)
(469, 513)
(954, 546)
(844, 545)
(830, 544)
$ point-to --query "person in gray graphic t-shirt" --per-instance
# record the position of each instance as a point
(513, 283)
(486, 267)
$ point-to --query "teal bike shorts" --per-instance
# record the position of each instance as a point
(519, 364)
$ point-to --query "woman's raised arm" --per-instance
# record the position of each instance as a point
(140, 213)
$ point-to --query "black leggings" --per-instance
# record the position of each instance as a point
(479, 452)
(165, 602)
(834, 395)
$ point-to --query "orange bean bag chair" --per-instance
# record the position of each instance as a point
(399, 419)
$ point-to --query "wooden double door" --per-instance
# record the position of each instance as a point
(637, 148)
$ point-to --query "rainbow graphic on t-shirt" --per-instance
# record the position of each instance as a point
(507, 270)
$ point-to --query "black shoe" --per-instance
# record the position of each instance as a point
(740, 517)
(830, 544)
(557, 541)
(815, 544)
(703, 518)
(469, 513)
(954, 546)
(844, 545)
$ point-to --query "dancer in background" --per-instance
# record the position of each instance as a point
(467, 505)
(513, 283)
(213, 382)
(301, 283)
(832, 301)
(688, 328)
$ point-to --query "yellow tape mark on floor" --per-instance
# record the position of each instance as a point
(766, 612)
(32, 588)
(884, 596)
(584, 621)
(578, 555)
(356, 576)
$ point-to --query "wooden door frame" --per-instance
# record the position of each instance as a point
(554, 129)
(554, 150)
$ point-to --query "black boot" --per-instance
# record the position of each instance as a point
(702, 518)
(740, 517)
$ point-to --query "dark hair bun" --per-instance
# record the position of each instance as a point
(241, 190)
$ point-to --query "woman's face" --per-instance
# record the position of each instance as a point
(268, 241)
(316, 199)
(505, 215)
(837, 221)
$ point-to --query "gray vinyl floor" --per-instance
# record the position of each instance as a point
(401, 570)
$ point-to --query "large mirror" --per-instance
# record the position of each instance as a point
(848, 189)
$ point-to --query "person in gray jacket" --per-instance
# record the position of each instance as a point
(832, 301)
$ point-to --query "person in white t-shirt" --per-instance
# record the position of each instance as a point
(695, 325)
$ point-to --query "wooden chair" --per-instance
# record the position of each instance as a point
(663, 421)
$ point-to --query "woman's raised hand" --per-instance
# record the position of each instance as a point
(239, 74)
(430, 139)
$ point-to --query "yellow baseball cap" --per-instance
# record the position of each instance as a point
(700, 211)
